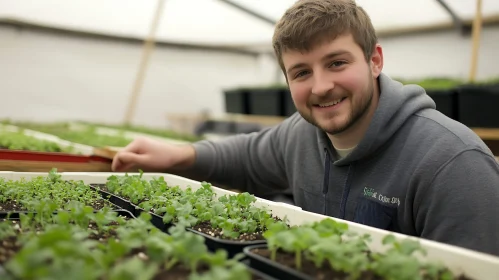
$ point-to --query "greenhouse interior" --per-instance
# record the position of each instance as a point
(249, 139)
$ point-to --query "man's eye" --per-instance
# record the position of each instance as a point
(337, 63)
(301, 73)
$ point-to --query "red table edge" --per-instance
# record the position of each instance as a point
(50, 156)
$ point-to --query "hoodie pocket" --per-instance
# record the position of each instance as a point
(375, 214)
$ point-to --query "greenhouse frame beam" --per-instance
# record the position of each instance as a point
(250, 12)
(458, 22)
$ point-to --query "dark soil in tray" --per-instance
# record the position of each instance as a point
(9, 246)
(309, 268)
(175, 273)
(11, 205)
(102, 236)
(101, 187)
(206, 228)
(180, 272)
(101, 203)
(323, 273)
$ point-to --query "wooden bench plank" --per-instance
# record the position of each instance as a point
(487, 133)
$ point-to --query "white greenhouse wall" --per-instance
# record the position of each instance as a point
(49, 76)
(441, 54)
(54, 76)
(444, 53)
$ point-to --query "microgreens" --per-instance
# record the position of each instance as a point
(330, 243)
(233, 214)
(87, 135)
(109, 246)
(24, 192)
(17, 140)
(132, 248)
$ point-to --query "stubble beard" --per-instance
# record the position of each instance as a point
(356, 113)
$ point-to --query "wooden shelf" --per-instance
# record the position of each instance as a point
(487, 133)
(263, 120)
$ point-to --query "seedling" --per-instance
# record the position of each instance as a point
(19, 195)
(327, 248)
(80, 243)
(19, 141)
(87, 136)
(229, 217)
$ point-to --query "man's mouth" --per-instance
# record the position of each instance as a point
(331, 103)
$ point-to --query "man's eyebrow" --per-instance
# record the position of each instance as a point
(335, 53)
(298, 65)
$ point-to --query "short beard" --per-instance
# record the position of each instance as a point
(356, 114)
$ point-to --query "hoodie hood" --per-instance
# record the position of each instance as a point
(397, 102)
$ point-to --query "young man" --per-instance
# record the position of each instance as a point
(362, 146)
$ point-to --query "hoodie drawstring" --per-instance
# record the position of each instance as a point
(325, 185)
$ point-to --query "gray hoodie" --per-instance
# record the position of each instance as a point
(416, 171)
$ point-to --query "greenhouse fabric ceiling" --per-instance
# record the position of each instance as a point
(215, 22)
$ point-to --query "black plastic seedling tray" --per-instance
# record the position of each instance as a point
(114, 199)
(213, 243)
(123, 203)
(258, 274)
(232, 247)
(156, 219)
(15, 215)
(271, 268)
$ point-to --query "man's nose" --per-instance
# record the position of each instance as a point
(322, 85)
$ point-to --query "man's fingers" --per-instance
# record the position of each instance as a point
(117, 165)
(124, 168)
(136, 146)
(126, 160)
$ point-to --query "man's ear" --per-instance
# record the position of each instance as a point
(376, 62)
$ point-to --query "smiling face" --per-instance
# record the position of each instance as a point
(332, 85)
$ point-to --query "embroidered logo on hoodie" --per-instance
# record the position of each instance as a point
(370, 192)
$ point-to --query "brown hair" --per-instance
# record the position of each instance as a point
(309, 22)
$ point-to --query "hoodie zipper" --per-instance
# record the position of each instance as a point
(325, 184)
(346, 192)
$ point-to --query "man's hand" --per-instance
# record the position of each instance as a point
(153, 156)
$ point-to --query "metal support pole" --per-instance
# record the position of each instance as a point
(477, 29)
(250, 12)
(455, 18)
(146, 53)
